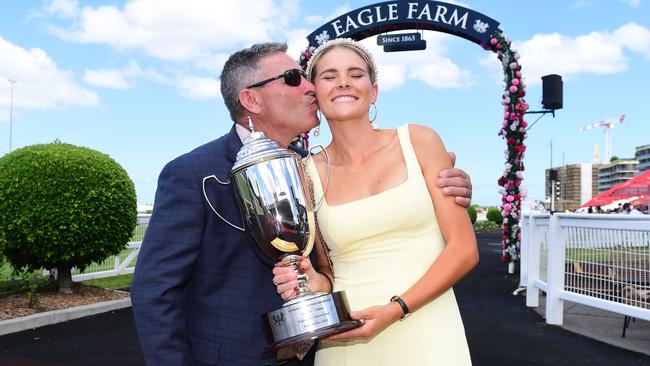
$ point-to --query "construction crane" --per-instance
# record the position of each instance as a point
(608, 124)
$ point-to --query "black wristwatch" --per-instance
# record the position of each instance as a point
(402, 304)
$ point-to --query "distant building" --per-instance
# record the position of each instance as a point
(575, 184)
(642, 155)
(616, 172)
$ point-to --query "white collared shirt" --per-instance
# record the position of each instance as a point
(242, 132)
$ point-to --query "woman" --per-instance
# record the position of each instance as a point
(389, 250)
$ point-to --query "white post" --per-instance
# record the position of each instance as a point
(532, 263)
(523, 249)
(555, 272)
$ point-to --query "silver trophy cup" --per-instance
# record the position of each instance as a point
(278, 217)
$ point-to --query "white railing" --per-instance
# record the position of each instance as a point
(602, 261)
(122, 263)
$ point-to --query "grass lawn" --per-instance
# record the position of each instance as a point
(111, 282)
(5, 271)
(485, 225)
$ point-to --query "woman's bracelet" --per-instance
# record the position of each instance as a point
(328, 280)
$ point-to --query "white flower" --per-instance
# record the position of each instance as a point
(323, 37)
(480, 26)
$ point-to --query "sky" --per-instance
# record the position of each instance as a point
(139, 79)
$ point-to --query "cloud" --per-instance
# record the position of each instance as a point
(595, 53)
(634, 37)
(199, 88)
(41, 83)
(321, 19)
(212, 62)
(430, 66)
(632, 3)
(63, 9)
(174, 30)
(122, 78)
(579, 4)
(112, 79)
(296, 41)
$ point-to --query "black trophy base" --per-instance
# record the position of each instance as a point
(307, 318)
(320, 333)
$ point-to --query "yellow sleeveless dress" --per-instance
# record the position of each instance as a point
(380, 246)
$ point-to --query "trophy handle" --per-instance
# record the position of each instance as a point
(327, 182)
(210, 204)
(311, 222)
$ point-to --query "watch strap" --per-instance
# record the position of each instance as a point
(403, 305)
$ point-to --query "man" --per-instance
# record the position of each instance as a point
(636, 210)
(199, 290)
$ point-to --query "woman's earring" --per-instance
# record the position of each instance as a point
(317, 129)
(374, 117)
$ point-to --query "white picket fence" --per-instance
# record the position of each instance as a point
(598, 260)
(122, 263)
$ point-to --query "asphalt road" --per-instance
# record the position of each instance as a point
(500, 329)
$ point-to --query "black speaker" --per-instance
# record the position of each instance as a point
(552, 91)
(552, 175)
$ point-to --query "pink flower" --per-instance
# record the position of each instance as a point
(493, 41)
(513, 89)
(518, 74)
(513, 65)
(510, 198)
(515, 81)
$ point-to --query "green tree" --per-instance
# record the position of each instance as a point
(63, 206)
(494, 214)
(614, 158)
(471, 211)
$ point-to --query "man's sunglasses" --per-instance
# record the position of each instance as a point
(292, 77)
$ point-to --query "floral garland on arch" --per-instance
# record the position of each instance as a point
(514, 132)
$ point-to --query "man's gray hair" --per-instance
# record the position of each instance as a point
(241, 70)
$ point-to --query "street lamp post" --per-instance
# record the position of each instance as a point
(11, 112)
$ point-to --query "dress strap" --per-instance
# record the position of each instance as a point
(411, 160)
(312, 171)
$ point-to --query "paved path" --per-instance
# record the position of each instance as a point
(501, 331)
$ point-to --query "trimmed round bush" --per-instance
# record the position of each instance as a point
(63, 206)
(471, 211)
(493, 214)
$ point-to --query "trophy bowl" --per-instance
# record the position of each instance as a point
(279, 220)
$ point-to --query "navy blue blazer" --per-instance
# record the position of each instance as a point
(199, 290)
